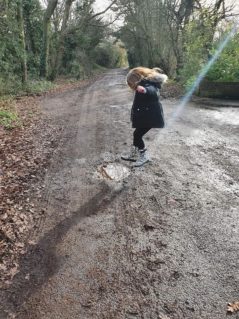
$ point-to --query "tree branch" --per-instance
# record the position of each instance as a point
(102, 12)
(104, 25)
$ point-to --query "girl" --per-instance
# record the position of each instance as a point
(147, 111)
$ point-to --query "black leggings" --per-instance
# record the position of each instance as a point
(138, 137)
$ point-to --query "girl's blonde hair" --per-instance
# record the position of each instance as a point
(137, 74)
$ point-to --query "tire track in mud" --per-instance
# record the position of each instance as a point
(41, 261)
(68, 182)
(77, 141)
(140, 255)
(73, 113)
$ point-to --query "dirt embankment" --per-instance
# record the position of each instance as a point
(156, 242)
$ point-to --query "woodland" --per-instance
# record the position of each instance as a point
(42, 40)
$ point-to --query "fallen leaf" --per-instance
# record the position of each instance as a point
(233, 307)
(3, 267)
(27, 277)
(32, 242)
(13, 271)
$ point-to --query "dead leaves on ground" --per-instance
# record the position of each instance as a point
(24, 154)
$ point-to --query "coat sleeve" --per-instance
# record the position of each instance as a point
(151, 90)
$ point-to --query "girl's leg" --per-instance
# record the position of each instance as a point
(137, 150)
(138, 137)
(139, 143)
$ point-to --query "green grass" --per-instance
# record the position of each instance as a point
(15, 87)
(35, 87)
(8, 119)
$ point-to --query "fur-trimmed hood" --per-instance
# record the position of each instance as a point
(136, 75)
(157, 78)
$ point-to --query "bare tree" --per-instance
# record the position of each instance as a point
(60, 45)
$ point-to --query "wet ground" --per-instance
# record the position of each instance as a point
(157, 242)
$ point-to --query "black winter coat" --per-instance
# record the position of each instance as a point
(147, 111)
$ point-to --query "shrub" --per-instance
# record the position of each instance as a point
(196, 51)
(9, 85)
(226, 68)
(35, 87)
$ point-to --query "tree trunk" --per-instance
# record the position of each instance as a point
(22, 41)
(29, 30)
(60, 48)
(183, 17)
(44, 70)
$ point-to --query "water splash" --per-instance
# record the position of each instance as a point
(201, 76)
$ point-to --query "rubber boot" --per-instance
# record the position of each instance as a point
(131, 155)
(142, 159)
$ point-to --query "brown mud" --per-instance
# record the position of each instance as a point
(155, 242)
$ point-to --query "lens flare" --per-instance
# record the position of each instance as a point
(201, 76)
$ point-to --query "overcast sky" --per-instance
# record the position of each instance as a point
(101, 4)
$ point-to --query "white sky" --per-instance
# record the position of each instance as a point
(101, 4)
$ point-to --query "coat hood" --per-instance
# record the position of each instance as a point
(136, 75)
(157, 78)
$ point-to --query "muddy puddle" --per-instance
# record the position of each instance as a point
(231, 117)
(113, 171)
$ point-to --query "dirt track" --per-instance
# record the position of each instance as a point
(160, 243)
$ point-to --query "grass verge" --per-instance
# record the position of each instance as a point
(9, 118)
